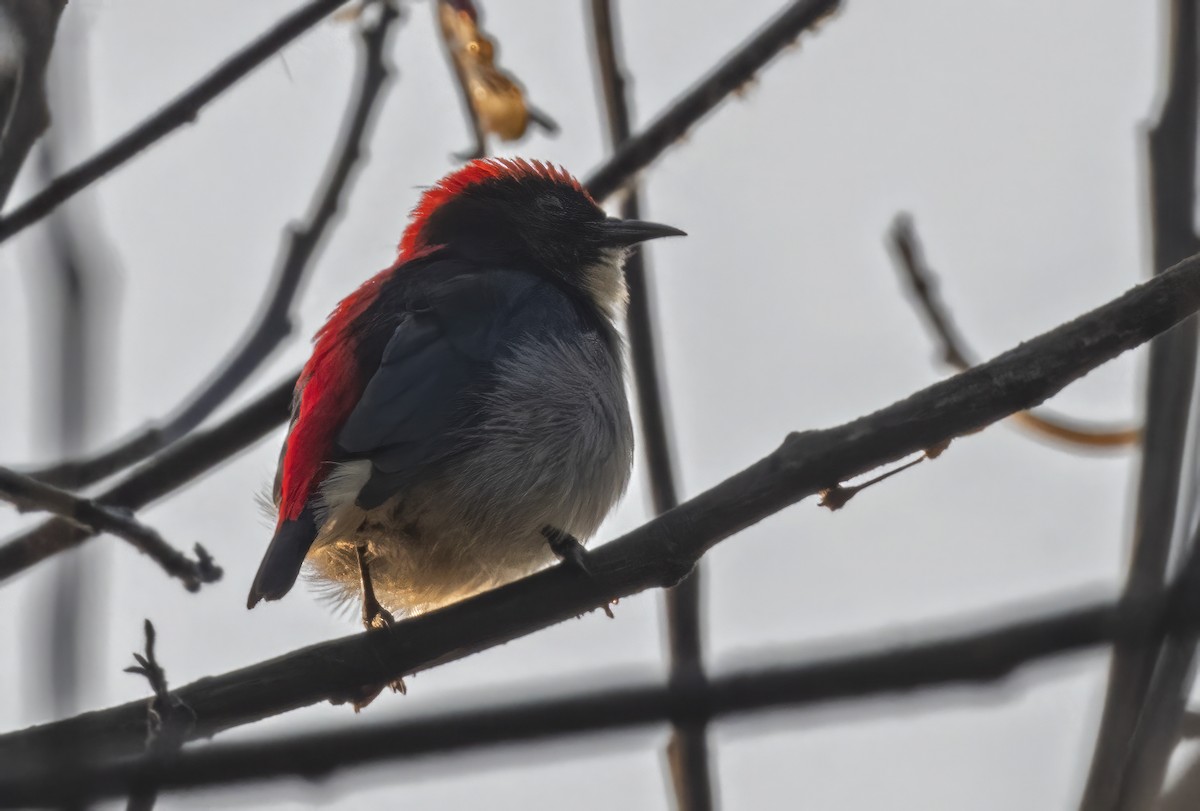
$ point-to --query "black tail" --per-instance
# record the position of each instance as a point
(281, 565)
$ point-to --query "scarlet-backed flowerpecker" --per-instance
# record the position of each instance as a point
(463, 417)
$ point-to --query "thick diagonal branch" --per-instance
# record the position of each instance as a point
(902, 238)
(988, 653)
(664, 550)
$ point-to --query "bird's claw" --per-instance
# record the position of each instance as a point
(379, 620)
(568, 549)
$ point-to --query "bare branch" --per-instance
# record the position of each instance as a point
(911, 259)
(989, 653)
(27, 28)
(1161, 718)
(1171, 148)
(175, 467)
(737, 68)
(836, 497)
(273, 324)
(168, 721)
(191, 458)
(182, 110)
(665, 549)
(687, 751)
(27, 494)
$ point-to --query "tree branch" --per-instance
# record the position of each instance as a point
(28, 28)
(188, 459)
(167, 721)
(687, 751)
(734, 71)
(1161, 720)
(182, 110)
(175, 467)
(664, 550)
(302, 244)
(906, 248)
(27, 494)
(989, 653)
(1171, 148)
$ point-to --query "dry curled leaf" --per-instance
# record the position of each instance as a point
(495, 97)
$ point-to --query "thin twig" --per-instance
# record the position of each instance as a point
(182, 110)
(273, 324)
(906, 247)
(985, 655)
(834, 498)
(168, 721)
(28, 494)
(735, 70)
(1171, 147)
(188, 459)
(687, 751)
(71, 293)
(664, 550)
(175, 467)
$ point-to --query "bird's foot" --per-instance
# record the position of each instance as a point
(568, 549)
(375, 618)
(362, 696)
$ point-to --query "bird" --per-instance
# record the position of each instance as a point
(463, 419)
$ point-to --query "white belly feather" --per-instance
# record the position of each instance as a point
(554, 449)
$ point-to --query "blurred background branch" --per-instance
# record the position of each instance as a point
(27, 31)
(986, 654)
(1171, 160)
(687, 751)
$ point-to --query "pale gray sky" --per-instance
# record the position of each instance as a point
(1011, 130)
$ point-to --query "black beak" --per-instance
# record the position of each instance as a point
(623, 233)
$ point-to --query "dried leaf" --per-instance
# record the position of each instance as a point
(494, 95)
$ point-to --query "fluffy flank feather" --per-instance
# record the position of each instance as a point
(328, 388)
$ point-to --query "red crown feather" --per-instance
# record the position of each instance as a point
(474, 173)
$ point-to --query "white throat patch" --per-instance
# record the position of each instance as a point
(605, 283)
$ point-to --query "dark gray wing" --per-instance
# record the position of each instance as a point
(441, 353)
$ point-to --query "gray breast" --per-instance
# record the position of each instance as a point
(555, 442)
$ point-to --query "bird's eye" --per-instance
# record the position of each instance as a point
(550, 204)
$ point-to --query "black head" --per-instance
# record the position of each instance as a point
(518, 213)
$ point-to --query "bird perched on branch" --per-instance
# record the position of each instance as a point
(463, 417)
